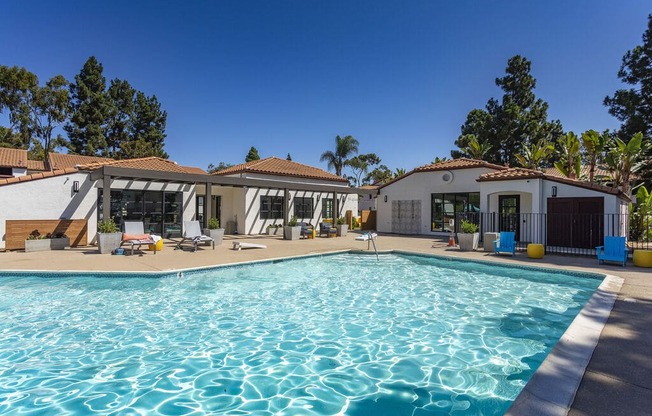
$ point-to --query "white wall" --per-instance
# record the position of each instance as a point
(529, 191)
(611, 202)
(420, 186)
(48, 199)
(367, 202)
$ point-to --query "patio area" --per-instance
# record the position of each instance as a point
(618, 379)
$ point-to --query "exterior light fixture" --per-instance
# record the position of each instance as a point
(75, 186)
(554, 191)
(385, 198)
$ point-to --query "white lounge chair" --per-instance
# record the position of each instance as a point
(239, 245)
(192, 232)
(135, 235)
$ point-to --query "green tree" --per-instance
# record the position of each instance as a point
(49, 106)
(120, 116)
(641, 217)
(90, 110)
(147, 129)
(535, 155)
(252, 155)
(632, 106)
(476, 149)
(379, 175)
(506, 124)
(438, 159)
(399, 172)
(568, 154)
(8, 138)
(360, 166)
(623, 159)
(593, 144)
(344, 147)
(16, 88)
(289, 157)
(220, 166)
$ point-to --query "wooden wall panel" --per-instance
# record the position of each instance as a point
(368, 220)
(17, 231)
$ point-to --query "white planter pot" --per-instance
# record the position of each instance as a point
(272, 230)
(468, 242)
(342, 229)
(46, 244)
(107, 242)
(216, 234)
(292, 233)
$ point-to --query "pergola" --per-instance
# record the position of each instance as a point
(107, 173)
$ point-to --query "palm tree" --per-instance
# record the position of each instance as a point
(477, 149)
(399, 172)
(344, 147)
(623, 159)
(535, 154)
(569, 163)
(594, 144)
(439, 159)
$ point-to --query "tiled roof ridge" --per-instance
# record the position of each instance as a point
(455, 164)
(259, 166)
(111, 162)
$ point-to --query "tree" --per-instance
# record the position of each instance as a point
(252, 155)
(399, 172)
(16, 88)
(379, 175)
(90, 110)
(476, 149)
(593, 144)
(8, 138)
(344, 147)
(220, 166)
(289, 157)
(438, 159)
(360, 166)
(623, 159)
(49, 106)
(633, 106)
(535, 154)
(505, 125)
(568, 154)
(120, 115)
(147, 129)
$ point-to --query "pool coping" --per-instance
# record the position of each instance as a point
(552, 388)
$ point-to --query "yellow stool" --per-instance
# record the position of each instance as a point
(159, 245)
(535, 251)
(642, 258)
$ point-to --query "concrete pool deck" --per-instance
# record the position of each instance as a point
(617, 380)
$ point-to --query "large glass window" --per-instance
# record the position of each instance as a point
(303, 207)
(327, 208)
(271, 207)
(199, 208)
(444, 207)
(160, 212)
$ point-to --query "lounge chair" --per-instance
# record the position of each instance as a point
(614, 249)
(327, 229)
(505, 243)
(239, 245)
(192, 233)
(135, 235)
(306, 229)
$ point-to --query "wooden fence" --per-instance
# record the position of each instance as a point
(16, 231)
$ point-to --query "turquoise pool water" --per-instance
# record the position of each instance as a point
(340, 334)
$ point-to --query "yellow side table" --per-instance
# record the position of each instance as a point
(642, 258)
(159, 245)
(535, 251)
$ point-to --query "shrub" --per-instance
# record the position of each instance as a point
(355, 224)
(293, 221)
(107, 226)
(35, 235)
(213, 223)
(341, 221)
(58, 234)
(468, 227)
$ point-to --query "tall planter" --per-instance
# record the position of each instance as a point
(217, 234)
(107, 242)
(468, 242)
(292, 232)
(342, 229)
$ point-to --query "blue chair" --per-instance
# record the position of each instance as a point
(614, 249)
(505, 243)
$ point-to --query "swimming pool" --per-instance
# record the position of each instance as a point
(340, 334)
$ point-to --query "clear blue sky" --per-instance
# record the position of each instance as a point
(288, 76)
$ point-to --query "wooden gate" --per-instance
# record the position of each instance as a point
(16, 231)
(575, 222)
(368, 220)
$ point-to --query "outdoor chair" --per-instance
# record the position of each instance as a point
(614, 249)
(192, 233)
(134, 234)
(306, 229)
(505, 243)
(326, 229)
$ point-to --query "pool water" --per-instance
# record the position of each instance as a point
(340, 334)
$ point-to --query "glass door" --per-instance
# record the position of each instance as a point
(172, 214)
(509, 207)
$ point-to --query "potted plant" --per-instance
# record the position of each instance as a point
(36, 242)
(341, 226)
(108, 236)
(214, 231)
(272, 229)
(58, 241)
(292, 231)
(468, 237)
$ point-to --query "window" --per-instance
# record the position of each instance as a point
(199, 212)
(327, 208)
(271, 207)
(303, 207)
(444, 207)
(6, 172)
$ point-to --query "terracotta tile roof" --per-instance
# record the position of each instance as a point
(370, 187)
(13, 158)
(192, 169)
(34, 176)
(461, 163)
(584, 172)
(62, 160)
(145, 163)
(522, 173)
(35, 165)
(282, 167)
